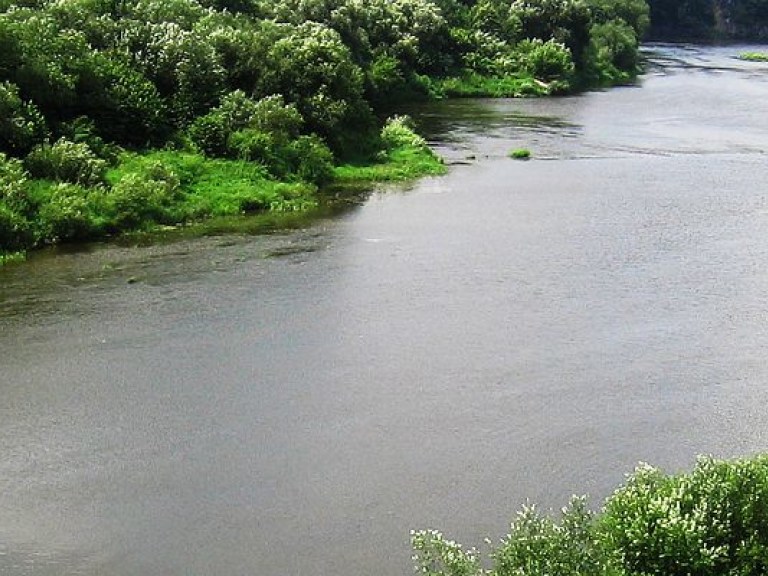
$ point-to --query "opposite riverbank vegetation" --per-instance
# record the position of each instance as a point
(709, 20)
(712, 521)
(122, 115)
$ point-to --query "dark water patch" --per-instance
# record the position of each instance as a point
(292, 250)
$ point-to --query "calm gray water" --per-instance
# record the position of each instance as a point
(295, 403)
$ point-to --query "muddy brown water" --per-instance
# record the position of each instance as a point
(296, 402)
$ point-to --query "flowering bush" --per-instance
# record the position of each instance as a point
(397, 133)
(66, 161)
(68, 214)
(712, 521)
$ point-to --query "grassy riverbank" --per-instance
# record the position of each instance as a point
(84, 199)
(712, 521)
(241, 107)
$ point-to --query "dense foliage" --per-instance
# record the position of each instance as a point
(712, 521)
(710, 19)
(287, 89)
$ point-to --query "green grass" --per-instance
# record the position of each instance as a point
(10, 257)
(400, 164)
(754, 56)
(520, 154)
(217, 187)
(472, 85)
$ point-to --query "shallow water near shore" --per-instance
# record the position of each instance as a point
(295, 402)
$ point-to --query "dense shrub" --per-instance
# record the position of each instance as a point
(66, 161)
(210, 133)
(546, 61)
(253, 145)
(712, 521)
(434, 555)
(306, 158)
(537, 544)
(269, 117)
(14, 190)
(313, 68)
(258, 146)
(68, 213)
(272, 115)
(312, 160)
(141, 198)
(613, 51)
(635, 13)
(124, 104)
(22, 126)
(15, 229)
(398, 132)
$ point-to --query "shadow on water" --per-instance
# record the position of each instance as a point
(450, 121)
(666, 58)
(58, 281)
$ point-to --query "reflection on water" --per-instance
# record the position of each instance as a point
(294, 402)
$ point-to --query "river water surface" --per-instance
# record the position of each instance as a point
(294, 403)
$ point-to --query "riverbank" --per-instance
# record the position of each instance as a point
(254, 107)
(161, 188)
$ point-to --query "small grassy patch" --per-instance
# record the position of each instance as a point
(9, 257)
(520, 154)
(754, 56)
(397, 165)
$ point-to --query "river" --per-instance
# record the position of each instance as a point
(293, 403)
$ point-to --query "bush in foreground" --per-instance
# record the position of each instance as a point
(712, 521)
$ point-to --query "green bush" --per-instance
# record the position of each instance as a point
(126, 107)
(237, 114)
(15, 230)
(68, 213)
(252, 145)
(613, 51)
(312, 159)
(537, 544)
(83, 130)
(398, 133)
(22, 126)
(546, 61)
(274, 116)
(66, 161)
(436, 556)
(712, 521)
(305, 158)
(142, 198)
(14, 191)
(209, 134)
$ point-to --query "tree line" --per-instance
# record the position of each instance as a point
(291, 85)
(709, 19)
